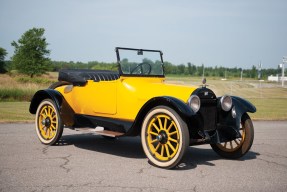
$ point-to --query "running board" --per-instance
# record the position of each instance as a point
(100, 131)
(109, 133)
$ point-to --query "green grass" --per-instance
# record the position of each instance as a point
(269, 109)
(15, 112)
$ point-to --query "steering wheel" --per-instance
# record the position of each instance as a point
(139, 69)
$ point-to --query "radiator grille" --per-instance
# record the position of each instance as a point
(208, 112)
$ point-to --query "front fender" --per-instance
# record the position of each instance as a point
(179, 106)
(45, 94)
(243, 105)
(228, 125)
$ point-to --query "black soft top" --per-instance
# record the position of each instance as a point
(81, 76)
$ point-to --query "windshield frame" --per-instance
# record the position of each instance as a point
(139, 50)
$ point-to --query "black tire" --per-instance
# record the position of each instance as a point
(164, 137)
(49, 126)
(237, 148)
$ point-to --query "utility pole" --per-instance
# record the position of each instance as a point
(284, 61)
(241, 74)
(202, 71)
(259, 70)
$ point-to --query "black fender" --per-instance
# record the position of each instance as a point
(66, 112)
(242, 106)
(228, 125)
(179, 106)
(40, 95)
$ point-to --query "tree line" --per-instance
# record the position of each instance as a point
(31, 57)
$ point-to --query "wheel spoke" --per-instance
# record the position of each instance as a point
(154, 125)
(53, 126)
(165, 123)
(153, 133)
(160, 123)
(170, 145)
(43, 115)
(48, 133)
(167, 150)
(235, 140)
(156, 148)
(46, 112)
(231, 144)
(173, 140)
(172, 133)
(153, 141)
(49, 111)
(170, 126)
(162, 149)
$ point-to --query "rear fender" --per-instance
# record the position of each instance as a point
(45, 94)
(66, 112)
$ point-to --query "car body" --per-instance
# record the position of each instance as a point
(136, 100)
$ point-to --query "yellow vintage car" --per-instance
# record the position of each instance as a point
(136, 100)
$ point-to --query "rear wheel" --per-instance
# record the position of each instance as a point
(238, 147)
(49, 126)
(164, 137)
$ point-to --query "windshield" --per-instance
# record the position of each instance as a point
(140, 62)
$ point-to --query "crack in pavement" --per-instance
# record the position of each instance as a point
(273, 155)
(141, 171)
(66, 162)
(273, 162)
(45, 150)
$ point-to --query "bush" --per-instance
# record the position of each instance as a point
(16, 94)
(34, 80)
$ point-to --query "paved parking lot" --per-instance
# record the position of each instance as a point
(86, 162)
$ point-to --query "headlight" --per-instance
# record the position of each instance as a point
(226, 102)
(194, 103)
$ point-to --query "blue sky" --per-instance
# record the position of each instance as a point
(225, 33)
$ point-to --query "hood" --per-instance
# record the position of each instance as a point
(147, 88)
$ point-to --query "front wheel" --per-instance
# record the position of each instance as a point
(49, 126)
(164, 137)
(238, 147)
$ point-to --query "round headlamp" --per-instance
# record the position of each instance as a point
(194, 103)
(226, 102)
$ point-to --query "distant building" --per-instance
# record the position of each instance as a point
(276, 78)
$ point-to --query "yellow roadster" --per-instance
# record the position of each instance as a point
(136, 100)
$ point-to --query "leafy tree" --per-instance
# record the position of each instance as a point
(3, 54)
(180, 69)
(31, 53)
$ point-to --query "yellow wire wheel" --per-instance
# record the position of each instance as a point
(164, 136)
(238, 147)
(49, 126)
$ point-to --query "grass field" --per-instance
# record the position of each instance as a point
(269, 98)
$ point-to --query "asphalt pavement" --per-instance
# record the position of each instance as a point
(88, 162)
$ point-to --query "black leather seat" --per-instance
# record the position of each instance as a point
(81, 76)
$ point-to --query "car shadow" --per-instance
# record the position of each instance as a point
(130, 147)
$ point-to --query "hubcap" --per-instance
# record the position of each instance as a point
(162, 137)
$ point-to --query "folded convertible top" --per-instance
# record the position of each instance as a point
(81, 76)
